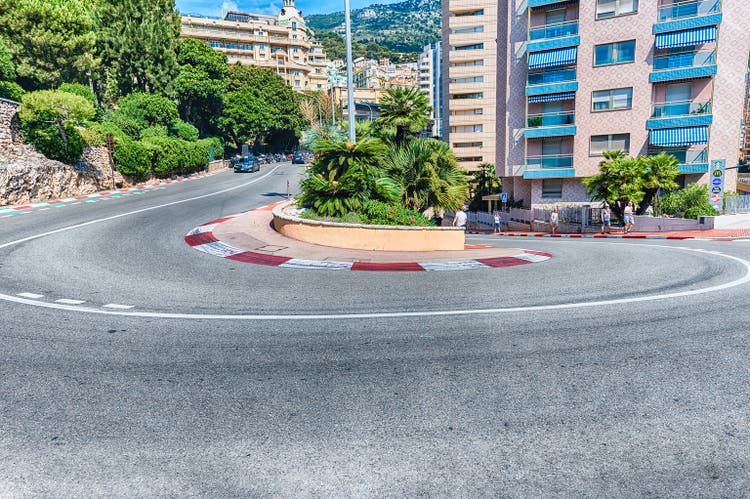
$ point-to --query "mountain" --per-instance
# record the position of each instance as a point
(401, 27)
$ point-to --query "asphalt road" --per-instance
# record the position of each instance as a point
(616, 368)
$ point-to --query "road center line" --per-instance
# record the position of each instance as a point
(386, 315)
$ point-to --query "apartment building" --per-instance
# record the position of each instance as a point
(282, 43)
(470, 72)
(430, 79)
(581, 77)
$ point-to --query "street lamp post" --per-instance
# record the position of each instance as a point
(349, 72)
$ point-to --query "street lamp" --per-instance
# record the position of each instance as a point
(349, 72)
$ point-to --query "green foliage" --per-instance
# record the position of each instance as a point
(484, 182)
(7, 68)
(138, 111)
(166, 153)
(137, 41)
(379, 213)
(91, 137)
(51, 41)
(80, 90)
(11, 90)
(622, 179)
(131, 158)
(184, 131)
(335, 48)
(200, 84)
(691, 202)
(406, 109)
(154, 131)
(428, 173)
(66, 145)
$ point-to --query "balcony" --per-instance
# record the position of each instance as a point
(553, 36)
(680, 114)
(687, 15)
(683, 66)
(550, 125)
(691, 160)
(551, 82)
(544, 3)
(548, 166)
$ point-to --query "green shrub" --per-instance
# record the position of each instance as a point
(91, 137)
(183, 130)
(80, 90)
(154, 131)
(217, 145)
(692, 202)
(48, 141)
(131, 157)
(704, 210)
(11, 90)
(379, 213)
(165, 157)
(130, 125)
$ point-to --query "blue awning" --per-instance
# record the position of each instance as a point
(552, 97)
(686, 38)
(553, 58)
(678, 137)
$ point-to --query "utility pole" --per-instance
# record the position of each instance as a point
(349, 72)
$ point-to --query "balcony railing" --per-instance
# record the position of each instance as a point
(551, 119)
(556, 30)
(547, 77)
(687, 60)
(549, 161)
(679, 108)
(686, 156)
(689, 9)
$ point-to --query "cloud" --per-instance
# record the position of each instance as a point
(228, 6)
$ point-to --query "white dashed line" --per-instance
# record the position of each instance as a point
(33, 296)
(66, 301)
(117, 306)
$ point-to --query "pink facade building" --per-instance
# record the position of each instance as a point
(580, 77)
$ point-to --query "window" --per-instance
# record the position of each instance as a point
(479, 62)
(552, 188)
(611, 8)
(467, 112)
(614, 53)
(468, 79)
(616, 142)
(294, 25)
(295, 49)
(296, 72)
(610, 100)
(467, 129)
(474, 46)
(296, 83)
(479, 12)
(294, 37)
(469, 158)
(261, 46)
(474, 95)
(215, 44)
(458, 145)
(469, 29)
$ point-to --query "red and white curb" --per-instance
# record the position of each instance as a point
(619, 236)
(202, 239)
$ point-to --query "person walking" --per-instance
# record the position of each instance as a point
(606, 219)
(496, 222)
(459, 219)
(554, 220)
(628, 217)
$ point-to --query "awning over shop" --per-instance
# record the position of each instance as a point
(678, 137)
(686, 38)
(553, 58)
(552, 97)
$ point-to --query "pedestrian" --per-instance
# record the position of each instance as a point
(554, 220)
(628, 217)
(459, 219)
(606, 219)
(496, 222)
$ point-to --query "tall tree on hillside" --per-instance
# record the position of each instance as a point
(406, 109)
(200, 84)
(50, 41)
(137, 42)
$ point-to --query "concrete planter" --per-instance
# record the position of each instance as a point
(367, 237)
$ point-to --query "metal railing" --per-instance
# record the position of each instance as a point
(551, 119)
(737, 204)
(689, 9)
(549, 161)
(555, 30)
(679, 108)
(556, 76)
(687, 60)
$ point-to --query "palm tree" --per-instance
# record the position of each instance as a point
(406, 109)
(429, 174)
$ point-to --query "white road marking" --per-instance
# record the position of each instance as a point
(33, 296)
(744, 279)
(66, 301)
(142, 210)
(117, 306)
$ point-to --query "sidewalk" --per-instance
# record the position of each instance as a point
(712, 234)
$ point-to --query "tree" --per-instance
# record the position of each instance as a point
(429, 174)
(7, 68)
(484, 182)
(51, 41)
(622, 179)
(139, 111)
(137, 42)
(406, 109)
(48, 118)
(200, 84)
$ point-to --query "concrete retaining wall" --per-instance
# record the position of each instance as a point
(367, 237)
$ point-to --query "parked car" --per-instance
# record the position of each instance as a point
(247, 164)
(298, 159)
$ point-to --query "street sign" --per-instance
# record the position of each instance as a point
(504, 197)
(716, 195)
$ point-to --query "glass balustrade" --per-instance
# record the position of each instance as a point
(556, 76)
(682, 10)
(679, 108)
(687, 60)
(549, 161)
(556, 30)
(550, 119)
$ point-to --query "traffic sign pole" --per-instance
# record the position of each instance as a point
(716, 189)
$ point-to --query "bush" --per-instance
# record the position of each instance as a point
(131, 158)
(692, 202)
(379, 213)
(705, 210)
(183, 130)
(80, 90)
(128, 124)
(91, 137)
(165, 153)
(47, 140)
(154, 131)
(11, 90)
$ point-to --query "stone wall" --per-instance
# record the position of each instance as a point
(10, 126)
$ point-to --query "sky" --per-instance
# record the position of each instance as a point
(218, 7)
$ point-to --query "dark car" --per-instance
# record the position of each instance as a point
(298, 159)
(247, 164)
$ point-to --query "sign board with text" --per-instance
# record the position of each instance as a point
(716, 185)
